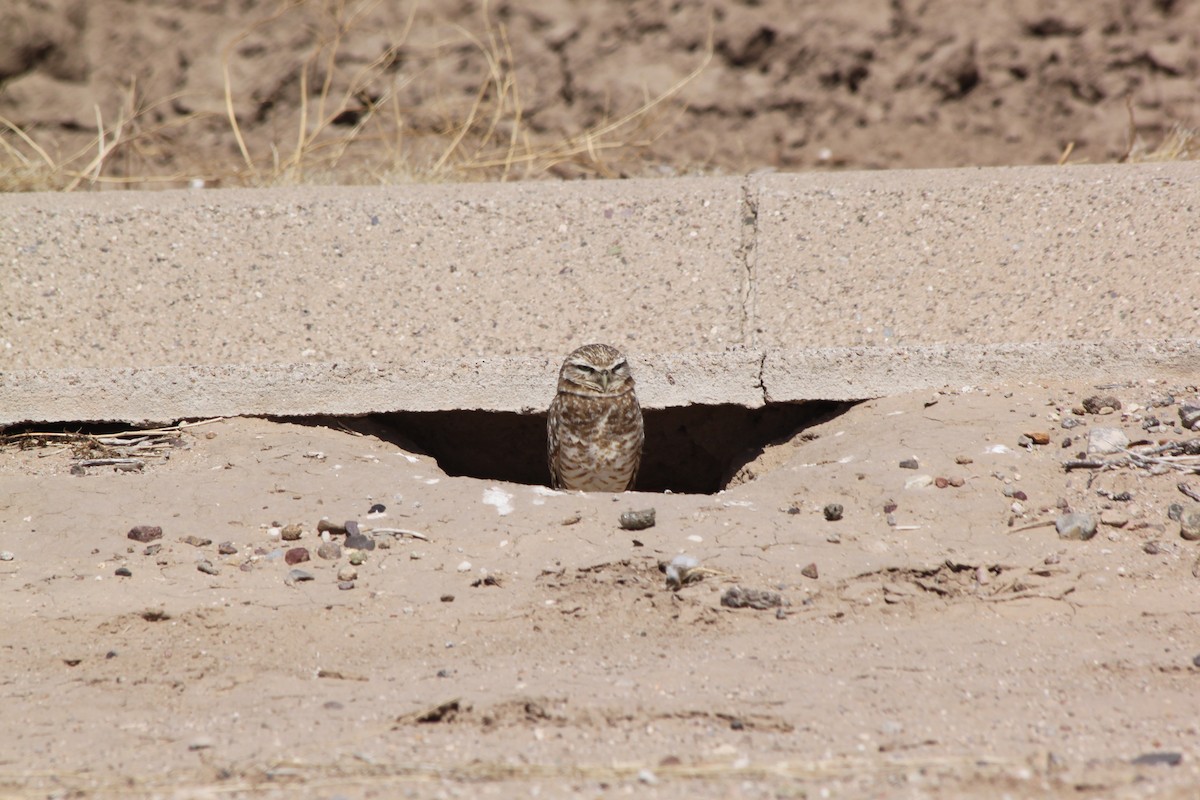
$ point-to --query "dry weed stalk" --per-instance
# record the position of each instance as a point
(31, 167)
(487, 138)
(104, 449)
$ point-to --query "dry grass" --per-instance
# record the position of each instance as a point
(351, 125)
(1180, 144)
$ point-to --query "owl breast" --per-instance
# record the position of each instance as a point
(595, 443)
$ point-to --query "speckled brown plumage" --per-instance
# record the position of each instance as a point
(594, 432)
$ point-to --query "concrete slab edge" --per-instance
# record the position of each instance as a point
(862, 372)
(743, 377)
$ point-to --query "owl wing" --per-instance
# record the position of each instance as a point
(553, 422)
(641, 443)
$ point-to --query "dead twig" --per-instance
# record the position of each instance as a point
(401, 532)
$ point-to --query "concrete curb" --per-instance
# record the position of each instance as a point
(402, 274)
(525, 385)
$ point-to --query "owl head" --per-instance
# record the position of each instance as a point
(596, 370)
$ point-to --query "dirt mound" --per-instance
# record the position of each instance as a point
(257, 92)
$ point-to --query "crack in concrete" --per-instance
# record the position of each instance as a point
(762, 370)
(747, 254)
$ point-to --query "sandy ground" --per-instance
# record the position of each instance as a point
(530, 646)
(952, 646)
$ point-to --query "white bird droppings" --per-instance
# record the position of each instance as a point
(502, 500)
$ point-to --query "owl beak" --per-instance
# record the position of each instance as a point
(605, 376)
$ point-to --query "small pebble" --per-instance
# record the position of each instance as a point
(1189, 523)
(226, 549)
(941, 482)
(637, 520)
(330, 551)
(378, 508)
(358, 557)
(298, 575)
(6, 555)
(345, 585)
(1076, 525)
(347, 573)
(1113, 518)
(1102, 441)
(810, 571)
(1070, 422)
(956, 481)
(1038, 437)
(1159, 759)
(833, 511)
(464, 566)
(1098, 402)
(145, 533)
(325, 526)
(1024, 441)
(123, 572)
(358, 541)
(910, 463)
(196, 541)
(291, 533)
(1174, 512)
(447, 598)
(1189, 415)
(919, 482)
(961, 460)
(297, 555)
(207, 567)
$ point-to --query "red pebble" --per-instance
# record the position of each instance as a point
(145, 533)
(297, 555)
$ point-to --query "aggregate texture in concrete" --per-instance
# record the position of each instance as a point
(314, 300)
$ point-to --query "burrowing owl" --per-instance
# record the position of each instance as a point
(594, 429)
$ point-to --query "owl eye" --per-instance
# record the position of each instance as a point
(585, 369)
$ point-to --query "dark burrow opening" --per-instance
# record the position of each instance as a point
(691, 449)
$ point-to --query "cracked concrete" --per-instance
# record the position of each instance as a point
(727, 290)
(747, 253)
(741, 377)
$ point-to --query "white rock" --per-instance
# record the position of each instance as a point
(1102, 441)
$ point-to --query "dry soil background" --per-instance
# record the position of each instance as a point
(380, 91)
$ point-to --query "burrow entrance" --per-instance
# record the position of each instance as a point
(692, 449)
